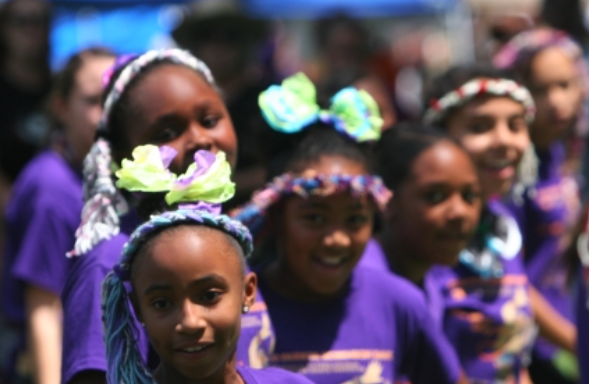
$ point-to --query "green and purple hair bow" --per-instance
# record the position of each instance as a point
(292, 106)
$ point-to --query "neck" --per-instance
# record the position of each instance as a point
(282, 280)
(402, 260)
(226, 374)
(24, 72)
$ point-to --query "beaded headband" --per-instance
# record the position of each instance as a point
(136, 65)
(292, 106)
(478, 87)
(310, 184)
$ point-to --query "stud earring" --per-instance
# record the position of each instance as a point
(246, 309)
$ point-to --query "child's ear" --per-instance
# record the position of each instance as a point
(250, 285)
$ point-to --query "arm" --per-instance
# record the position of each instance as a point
(553, 326)
(44, 316)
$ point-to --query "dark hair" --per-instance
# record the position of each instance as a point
(314, 142)
(458, 76)
(324, 26)
(400, 146)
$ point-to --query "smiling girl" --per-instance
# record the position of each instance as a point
(334, 322)
(184, 273)
(490, 307)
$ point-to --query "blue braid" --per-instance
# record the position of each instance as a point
(124, 362)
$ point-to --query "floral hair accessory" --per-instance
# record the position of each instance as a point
(496, 87)
(309, 184)
(292, 106)
(207, 180)
(119, 62)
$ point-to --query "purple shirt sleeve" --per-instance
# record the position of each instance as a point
(41, 261)
(270, 376)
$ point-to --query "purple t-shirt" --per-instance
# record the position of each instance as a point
(374, 257)
(547, 218)
(582, 314)
(377, 332)
(41, 219)
(489, 320)
(270, 376)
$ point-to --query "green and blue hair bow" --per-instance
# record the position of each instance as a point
(292, 106)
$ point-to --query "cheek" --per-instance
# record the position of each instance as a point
(476, 145)
(226, 141)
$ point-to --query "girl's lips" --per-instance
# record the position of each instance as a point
(501, 173)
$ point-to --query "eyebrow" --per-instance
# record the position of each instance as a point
(310, 205)
(212, 278)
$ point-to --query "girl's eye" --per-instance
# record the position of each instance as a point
(314, 219)
(161, 304)
(166, 135)
(358, 220)
(478, 127)
(210, 296)
(435, 197)
(210, 121)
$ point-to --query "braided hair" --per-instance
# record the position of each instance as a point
(103, 201)
(124, 362)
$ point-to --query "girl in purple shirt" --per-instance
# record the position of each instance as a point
(41, 220)
(490, 306)
(184, 274)
(335, 322)
(160, 97)
(552, 66)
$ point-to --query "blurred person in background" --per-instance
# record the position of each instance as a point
(42, 216)
(346, 58)
(228, 41)
(25, 79)
(551, 66)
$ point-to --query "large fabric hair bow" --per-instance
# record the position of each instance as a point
(207, 180)
(292, 106)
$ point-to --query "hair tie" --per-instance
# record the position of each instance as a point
(310, 184)
(206, 182)
(292, 106)
(477, 87)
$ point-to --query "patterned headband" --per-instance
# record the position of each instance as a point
(292, 106)
(478, 87)
(309, 184)
(136, 65)
(182, 216)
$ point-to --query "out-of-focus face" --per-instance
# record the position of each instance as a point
(189, 291)
(555, 85)
(175, 106)
(493, 130)
(80, 112)
(26, 31)
(434, 213)
(321, 239)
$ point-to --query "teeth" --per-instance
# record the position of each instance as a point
(195, 349)
(332, 260)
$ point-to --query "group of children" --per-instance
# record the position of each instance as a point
(423, 253)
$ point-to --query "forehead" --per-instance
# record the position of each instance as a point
(169, 86)
(90, 73)
(188, 252)
(552, 63)
(338, 202)
(443, 162)
(492, 106)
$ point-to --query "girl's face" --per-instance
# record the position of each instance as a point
(322, 238)
(189, 291)
(26, 30)
(80, 112)
(434, 213)
(175, 106)
(493, 130)
(555, 85)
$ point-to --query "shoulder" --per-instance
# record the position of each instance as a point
(271, 376)
(389, 289)
(91, 269)
(374, 256)
(48, 178)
